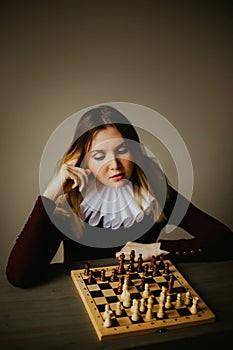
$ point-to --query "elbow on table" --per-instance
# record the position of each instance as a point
(20, 279)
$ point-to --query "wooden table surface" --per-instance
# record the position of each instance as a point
(52, 316)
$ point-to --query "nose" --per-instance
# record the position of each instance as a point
(113, 163)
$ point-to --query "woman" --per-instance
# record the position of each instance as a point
(108, 197)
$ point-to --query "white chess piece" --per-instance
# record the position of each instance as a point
(136, 315)
(149, 314)
(187, 300)
(106, 311)
(193, 308)
(168, 303)
(142, 307)
(108, 320)
(179, 300)
(160, 313)
(127, 299)
(146, 292)
(118, 310)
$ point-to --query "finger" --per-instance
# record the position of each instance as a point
(82, 175)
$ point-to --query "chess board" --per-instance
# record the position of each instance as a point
(99, 293)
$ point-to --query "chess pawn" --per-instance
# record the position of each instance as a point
(136, 315)
(118, 310)
(149, 314)
(146, 270)
(102, 275)
(142, 307)
(134, 304)
(127, 299)
(120, 285)
(87, 269)
(187, 300)
(125, 289)
(113, 277)
(179, 300)
(146, 292)
(160, 313)
(168, 303)
(108, 320)
(193, 308)
(106, 311)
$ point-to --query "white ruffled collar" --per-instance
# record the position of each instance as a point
(116, 206)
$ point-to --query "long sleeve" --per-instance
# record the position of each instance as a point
(34, 248)
(212, 239)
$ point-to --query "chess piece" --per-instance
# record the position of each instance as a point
(193, 308)
(168, 303)
(142, 284)
(187, 300)
(113, 277)
(142, 307)
(160, 313)
(131, 267)
(146, 292)
(152, 262)
(134, 302)
(139, 265)
(127, 299)
(149, 314)
(87, 269)
(170, 289)
(179, 300)
(146, 270)
(120, 285)
(102, 275)
(121, 268)
(163, 294)
(154, 271)
(106, 311)
(91, 278)
(135, 315)
(118, 310)
(108, 320)
(166, 270)
(161, 264)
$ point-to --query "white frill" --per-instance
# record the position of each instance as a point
(116, 205)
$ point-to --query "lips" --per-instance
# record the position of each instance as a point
(117, 177)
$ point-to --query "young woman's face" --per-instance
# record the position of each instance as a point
(109, 159)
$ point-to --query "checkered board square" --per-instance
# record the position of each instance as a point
(97, 294)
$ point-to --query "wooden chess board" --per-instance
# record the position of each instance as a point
(99, 293)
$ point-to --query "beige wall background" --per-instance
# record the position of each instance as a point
(58, 57)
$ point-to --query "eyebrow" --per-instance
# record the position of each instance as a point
(102, 150)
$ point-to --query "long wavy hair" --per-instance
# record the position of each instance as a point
(153, 182)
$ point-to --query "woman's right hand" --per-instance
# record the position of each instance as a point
(68, 178)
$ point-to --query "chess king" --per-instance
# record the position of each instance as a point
(106, 197)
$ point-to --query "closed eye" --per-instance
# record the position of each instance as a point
(99, 156)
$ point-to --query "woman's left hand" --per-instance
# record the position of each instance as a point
(147, 250)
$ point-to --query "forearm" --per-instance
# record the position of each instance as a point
(34, 248)
(212, 239)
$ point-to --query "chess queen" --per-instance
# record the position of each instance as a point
(106, 197)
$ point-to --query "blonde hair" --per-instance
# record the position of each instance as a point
(89, 125)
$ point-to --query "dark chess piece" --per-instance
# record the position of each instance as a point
(131, 267)
(87, 269)
(102, 275)
(120, 284)
(139, 265)
(113, 277)
(91, 278)
(154, 271)
(121, 268)
(146, 270)
(152, 262)
(161, 264)
(142, 284)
